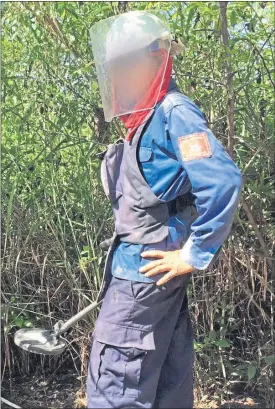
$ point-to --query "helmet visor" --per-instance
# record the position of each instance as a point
(128, 65)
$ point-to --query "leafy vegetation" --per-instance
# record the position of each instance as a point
(54, 213)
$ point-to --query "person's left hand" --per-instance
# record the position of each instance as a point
(169, 262)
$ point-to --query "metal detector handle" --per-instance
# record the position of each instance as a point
(72, 321)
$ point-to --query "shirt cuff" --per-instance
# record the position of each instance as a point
(194, 256)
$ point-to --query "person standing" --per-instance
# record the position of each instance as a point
(174, 191)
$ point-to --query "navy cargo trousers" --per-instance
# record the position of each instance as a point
(142, 353)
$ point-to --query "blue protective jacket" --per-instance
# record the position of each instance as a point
(178, 153)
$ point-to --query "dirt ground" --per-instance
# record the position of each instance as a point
(67, 391)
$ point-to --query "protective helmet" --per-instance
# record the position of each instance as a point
(133, 31)
(123, 40)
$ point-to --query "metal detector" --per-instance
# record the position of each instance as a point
(50, 341)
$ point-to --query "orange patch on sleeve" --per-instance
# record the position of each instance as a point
(194, 146)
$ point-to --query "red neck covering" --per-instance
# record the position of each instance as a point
(154, 95)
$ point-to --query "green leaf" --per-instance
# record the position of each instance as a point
(206, 340)
(191, 15)
(251, 371)
(270, 359)
(222, 343)
(198, 346)
(28, 324)
(94, 86)
(212, 335)
(19, 322)
(233, 18)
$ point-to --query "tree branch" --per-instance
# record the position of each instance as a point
(230, 119)
(229, 78)
(257, 231)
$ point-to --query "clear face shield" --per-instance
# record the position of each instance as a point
(130, 52)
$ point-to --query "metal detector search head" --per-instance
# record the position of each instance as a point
(40, 341)
(46, 341)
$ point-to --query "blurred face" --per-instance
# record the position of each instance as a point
(132, 77)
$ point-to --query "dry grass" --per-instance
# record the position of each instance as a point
(232, 302)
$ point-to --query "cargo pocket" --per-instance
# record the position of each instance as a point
(119, 370)
(120, 360)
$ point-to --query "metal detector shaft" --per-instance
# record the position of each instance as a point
(81, 314)
(49, 341)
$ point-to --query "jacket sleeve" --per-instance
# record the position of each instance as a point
(215, 179)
